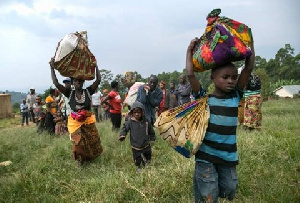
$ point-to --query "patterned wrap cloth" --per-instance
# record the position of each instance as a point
(184, 127)
(225, 40)
(85, 138)
(252, 110)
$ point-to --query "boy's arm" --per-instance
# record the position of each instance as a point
(246, 72)
(125, 129)
(195, 84)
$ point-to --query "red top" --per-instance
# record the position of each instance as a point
(115, 102)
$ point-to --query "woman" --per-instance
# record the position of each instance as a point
(253, 102)
(81, 121)
(165, 102)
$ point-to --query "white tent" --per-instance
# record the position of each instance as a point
(287, 90)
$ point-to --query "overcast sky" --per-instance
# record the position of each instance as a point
(133, 35)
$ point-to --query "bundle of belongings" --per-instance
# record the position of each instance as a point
(224, 40)
(184, 127)
(73, 57)
(132, 93)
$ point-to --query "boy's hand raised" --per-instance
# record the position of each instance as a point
(192, 44)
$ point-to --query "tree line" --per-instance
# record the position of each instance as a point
(284, 69)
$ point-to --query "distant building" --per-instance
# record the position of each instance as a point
(287, 91)
(5, 107)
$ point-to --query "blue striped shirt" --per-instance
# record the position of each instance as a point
(219, 144)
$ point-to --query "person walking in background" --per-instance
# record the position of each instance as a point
(150, 96)
(66, 109)
(141, 134)
(215, 169)
(115, 103)
(173, 97)
(165, 102)
(30, 100)
(105, 107)
(253, 102)
(60, 124)
(183, 91)
(51, 105)
(96, 102)
(24, 112)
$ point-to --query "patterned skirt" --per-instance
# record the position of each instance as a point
(252, 111)
(86, 142)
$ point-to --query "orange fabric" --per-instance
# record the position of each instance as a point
(51, 101)
(73, 125)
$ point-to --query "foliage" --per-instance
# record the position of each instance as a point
(43, 170)
(106, 78)
(265, 82)
(279, 83)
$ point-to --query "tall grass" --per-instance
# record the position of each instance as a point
(43, 170)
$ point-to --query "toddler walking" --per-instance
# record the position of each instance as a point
(141, 133)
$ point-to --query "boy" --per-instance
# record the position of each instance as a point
(141, 133)
(24, 112)
(37, 108)
(215, 169)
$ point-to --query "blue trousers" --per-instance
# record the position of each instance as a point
(212, 181)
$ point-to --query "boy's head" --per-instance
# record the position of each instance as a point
(105, 91)
(172, 85)
(182, 79)
(137, 110)
(67, 82)
(114, 85)
(52, 92)
(38, 99)
(24, 101)
(224, 77)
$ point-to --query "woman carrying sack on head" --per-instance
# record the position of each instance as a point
(81, 121)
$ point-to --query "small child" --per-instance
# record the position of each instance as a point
(37, 109)
(141, 133)
(60, 125)
(24, 112)
(215, 169)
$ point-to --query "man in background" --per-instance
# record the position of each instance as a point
(30, 100)
(96, 102)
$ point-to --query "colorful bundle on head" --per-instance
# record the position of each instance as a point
(225, 40)
(184, 127)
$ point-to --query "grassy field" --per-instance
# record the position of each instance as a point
(42, 168)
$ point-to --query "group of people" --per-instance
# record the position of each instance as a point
(215, 162)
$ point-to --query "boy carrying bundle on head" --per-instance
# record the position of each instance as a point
(215, 170)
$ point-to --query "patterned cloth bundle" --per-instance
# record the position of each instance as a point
(184, 127)
(224, 40)
(73, 57)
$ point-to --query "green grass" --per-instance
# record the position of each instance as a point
(43, 170)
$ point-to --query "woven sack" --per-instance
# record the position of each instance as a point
(224, 40)
(74, 59)
(184, 127)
